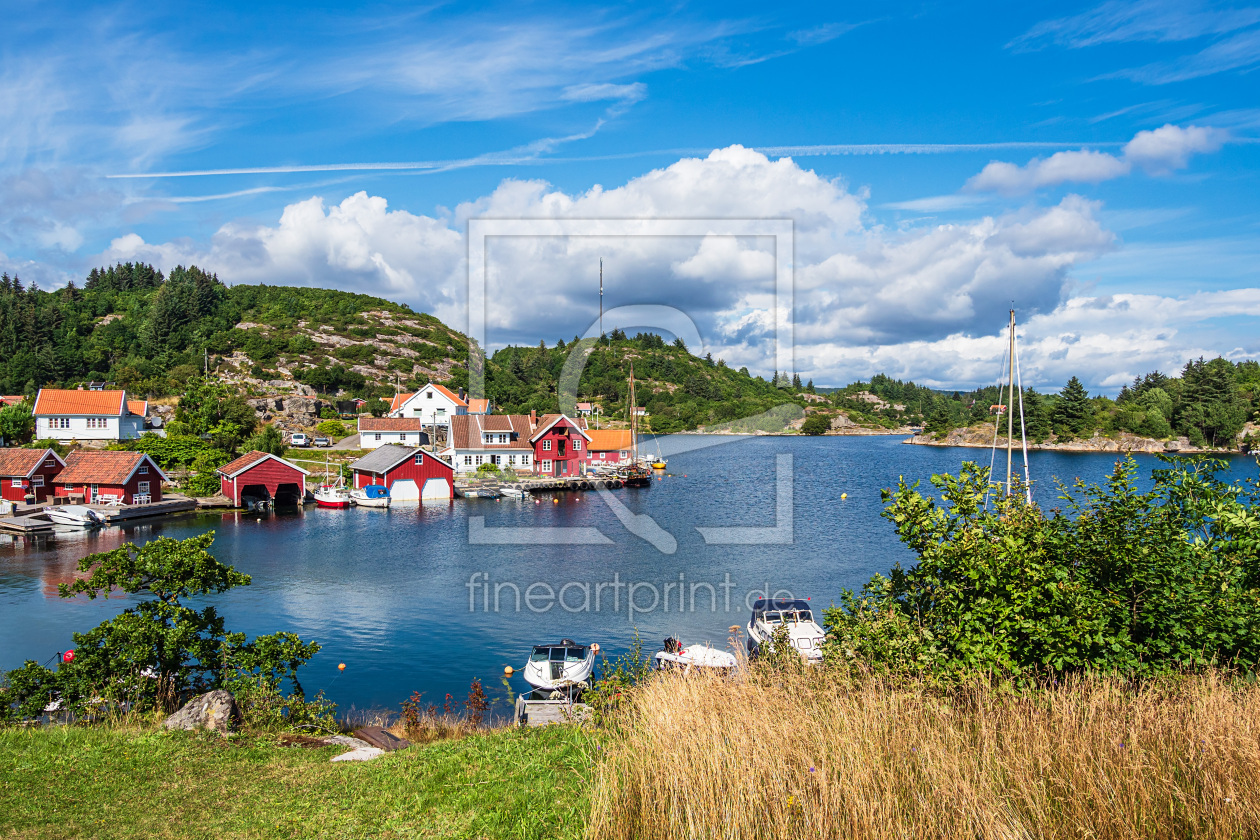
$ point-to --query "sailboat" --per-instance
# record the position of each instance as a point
(1014, 379)
(332, 494)
(635, 474)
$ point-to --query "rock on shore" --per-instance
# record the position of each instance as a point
(981, 437)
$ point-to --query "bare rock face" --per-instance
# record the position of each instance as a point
(214, 710)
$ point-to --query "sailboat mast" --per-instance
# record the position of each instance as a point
(601, 297)
(634, 421)
(1010, 406)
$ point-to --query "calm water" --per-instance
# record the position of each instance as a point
(388, 592)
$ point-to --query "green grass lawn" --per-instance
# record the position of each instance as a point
(67, 782)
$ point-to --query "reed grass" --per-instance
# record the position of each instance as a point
(816, 754)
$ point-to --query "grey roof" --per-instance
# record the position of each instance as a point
(385, 458)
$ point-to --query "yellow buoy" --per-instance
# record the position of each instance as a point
(844, 495)
(341, 667)
(555, 501)
(509, 671)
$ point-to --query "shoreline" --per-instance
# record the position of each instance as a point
(1096, 444)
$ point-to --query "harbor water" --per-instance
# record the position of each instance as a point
(426, 598)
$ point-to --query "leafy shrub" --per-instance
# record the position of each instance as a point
(333, 429)
(816, 424)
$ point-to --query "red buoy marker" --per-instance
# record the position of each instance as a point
(68, 656)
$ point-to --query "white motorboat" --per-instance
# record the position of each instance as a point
(374, 495)
(331, 496)
(76, 516)
(793, 615)
(565, 664)
(703, 657)
(511, 491)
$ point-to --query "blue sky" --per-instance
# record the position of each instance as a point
(1095, 165)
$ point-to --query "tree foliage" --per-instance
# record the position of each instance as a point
(161, 650)
(1125, 581)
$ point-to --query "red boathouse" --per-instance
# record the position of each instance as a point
(129, 478)
(28, 472)
(410, 473)
(265, 477)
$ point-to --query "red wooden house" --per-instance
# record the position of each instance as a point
(131, 478)
(609, 446)
(26, 472)
(560, 446)
(265, 477)
(410, 473)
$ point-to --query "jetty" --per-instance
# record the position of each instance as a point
(535, 711)
(470, 488)
(31, 520)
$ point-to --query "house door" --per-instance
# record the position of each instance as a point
(560, 448)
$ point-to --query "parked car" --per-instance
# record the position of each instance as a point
(299, 439)
(322, 441)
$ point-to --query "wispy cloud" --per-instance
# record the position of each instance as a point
(1119, 21)
(1238, 52)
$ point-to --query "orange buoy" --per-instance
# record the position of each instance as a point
(341, 667)
(509, 671)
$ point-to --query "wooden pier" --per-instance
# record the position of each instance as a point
(468, 489)
(534, 712)
(33, 521)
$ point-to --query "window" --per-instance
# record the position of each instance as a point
(441, 411)
(50, 463)
(479, 460)
(378, 435)
(546, 466)
(429, 395)
(144, 470)
(142, 487)
(525, 460)
(511, 460)
(546, 446)
(577, 444)
(419, 459)
(37, 481)
(17, 482)
(468, 460)
(58, 422)
(402, 436)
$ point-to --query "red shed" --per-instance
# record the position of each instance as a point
(410, 473)
(28, 471)
(560, 446)
(132, 478)
(264, 477)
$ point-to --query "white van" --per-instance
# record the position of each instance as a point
(299, 439)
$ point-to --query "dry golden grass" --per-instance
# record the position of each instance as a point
(815, 755)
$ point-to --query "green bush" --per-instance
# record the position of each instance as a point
(333, 428)
(1124, 581)
(816, 424)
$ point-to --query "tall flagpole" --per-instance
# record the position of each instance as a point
(601, 297)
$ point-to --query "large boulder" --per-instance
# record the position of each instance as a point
(215, 710)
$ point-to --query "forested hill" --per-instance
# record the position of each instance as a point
(149, 333)
(678, 389)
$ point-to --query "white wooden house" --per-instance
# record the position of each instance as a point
(64, 415)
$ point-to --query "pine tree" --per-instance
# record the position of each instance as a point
(1074, 413)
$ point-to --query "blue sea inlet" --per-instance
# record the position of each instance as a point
(427, 598)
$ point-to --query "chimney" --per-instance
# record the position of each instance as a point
(461, 393)
(533, 418)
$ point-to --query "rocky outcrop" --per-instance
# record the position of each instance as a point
(981, 437)
(215, 710)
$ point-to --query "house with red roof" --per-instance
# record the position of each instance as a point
(410, 473)
(381, 431)
(263, 477)
(132, 478)
(65, 415)
(432, 405)
(499, 439)
(609, 446)
(560, 446)
(28, 472)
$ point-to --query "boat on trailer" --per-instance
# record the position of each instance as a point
(560, 666)
(74, 516)
(374, 495)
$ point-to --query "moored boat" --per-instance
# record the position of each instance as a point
(694, 657)
(564, 664)
(75, 516)
(790, 615)
(374, 495)
(331, 496)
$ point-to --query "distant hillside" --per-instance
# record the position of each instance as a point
(130, 325)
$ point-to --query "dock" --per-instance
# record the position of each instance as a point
(31, 520)
(535, 712)
(466, 489)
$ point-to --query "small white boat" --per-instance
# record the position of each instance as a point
(792, 614)
(565, 664)
(374, 495)
(514, 492)
(76, 516)
(694, 656)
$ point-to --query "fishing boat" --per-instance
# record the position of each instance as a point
(700, 657)
(636, 473)
(564, 664)
(74, 516)
(792, 615)
(374, 495)
(332, 496)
